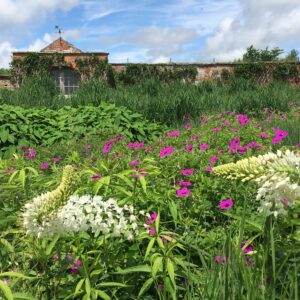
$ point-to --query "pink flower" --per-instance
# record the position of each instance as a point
(187, 172)
(213, 159)
(197, 136)
(243, 119)
(11, 170)
(30, 154)
(106, 148)
(282, 117)
(77, 263)
(24, 148)
(297, 145)
(153, 217)
(152, 231)
(187, 116)
(88, 146)
(94, 177)
(139, 146)
(6, 281)
(225, 204)
(220, 151)
(166, 151)
(249, 248)
(189, 148)
(56, 159)
(204, 146)
(263, 135)
(187, 125)
(184, 183)
(218, 259)
(216, 129)
(74, 270)
(134, 163)
(173, 133)
(279, 135)
(44, 166)
(184, 192)
(208, 169)
(226, 123)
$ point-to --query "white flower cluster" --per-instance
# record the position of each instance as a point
(85, 213)
(277, 176)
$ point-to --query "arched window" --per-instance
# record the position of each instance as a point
(66, 80)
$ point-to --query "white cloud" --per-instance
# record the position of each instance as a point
(261, 23)
(5, 54)
(18, 12)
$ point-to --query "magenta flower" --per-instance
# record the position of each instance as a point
(189, 148)
(279, 135)
(30, 154)
(226, 123)
(297, 145)
(220, 151)
(225, 204)
(11, 170)
(204, 146)
(44, 166)
(173, 133)
(77, 262)
(249, 248)
(197, 136)
(184, 192)
(94, 177)
(139, 146)
(263, 135)
(134, 163)
(106, 148)
(216, 129)
(208, 169)
(187, 125)
(187, 172)
(213, 159)
(187, 116)
(88, 146)
(74, 270)
(24, 148)
(56, 159)
(218, 259)
(166, 151)
(153, 217)
(184, 183)
(152, 231)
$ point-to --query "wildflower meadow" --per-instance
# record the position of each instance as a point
(206, 208)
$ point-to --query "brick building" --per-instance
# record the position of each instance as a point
(66, 79)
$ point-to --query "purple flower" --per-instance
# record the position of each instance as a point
(24, 148)
(134, 163)
(216, 129)
(189, 148)
(173, 133)
(226, 204)
(213, 159)
(30, 154)
(184, 192)
(218, 259)
(204, 146)
(44, 166)
(77, 263)
(74, 270)
(166, 151)
(187, 172)
(106, 148)
(187, 125)
(94, 177)
(279, 135)
(208, 169)
(56, 159)
(11, 170)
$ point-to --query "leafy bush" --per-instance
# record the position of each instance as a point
(19, 126)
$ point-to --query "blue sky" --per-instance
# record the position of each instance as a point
(151, 30)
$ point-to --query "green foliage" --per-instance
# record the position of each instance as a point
(135, 73)
(255, 55)
(250, 70)
(285, 72)
(293, 56)
(19, 126)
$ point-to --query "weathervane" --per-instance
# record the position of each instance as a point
(59, 30)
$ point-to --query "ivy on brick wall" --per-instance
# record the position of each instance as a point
(35, 64)
(134, 73)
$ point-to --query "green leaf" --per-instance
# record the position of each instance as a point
(156, 265)
(88, 287)
(6, 291)
(102, 294)
(137, 269)
(7, 245)
(146, 286)
(22, 177)
(170, 269)
(52, 244)
(15, 274)
(143, 184)
(149, 247)
(21, 296)
(116, 284)
(78, 286)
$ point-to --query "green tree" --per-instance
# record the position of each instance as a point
(293, 55)
(254, 55)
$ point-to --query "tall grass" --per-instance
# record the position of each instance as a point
(167, 103)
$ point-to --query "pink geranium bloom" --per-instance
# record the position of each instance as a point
(106, 148)
(189, 148)
(216, 129)
(213, 159)
(184, 183)
(204, 146)
(166, 151)
(187, 172)
(218, 259)
(173, 133)
(187, 125)
(184, 192)
(44, 166)
(208, 169)
(225, 204)
(56, 159)
(263, 135)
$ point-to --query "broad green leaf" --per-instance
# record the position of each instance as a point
(103, 295)
(137, 269)
(157, 265)
(149, 247)
(143, 184)
(78, 286)
(146, 286)
(171, 272)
